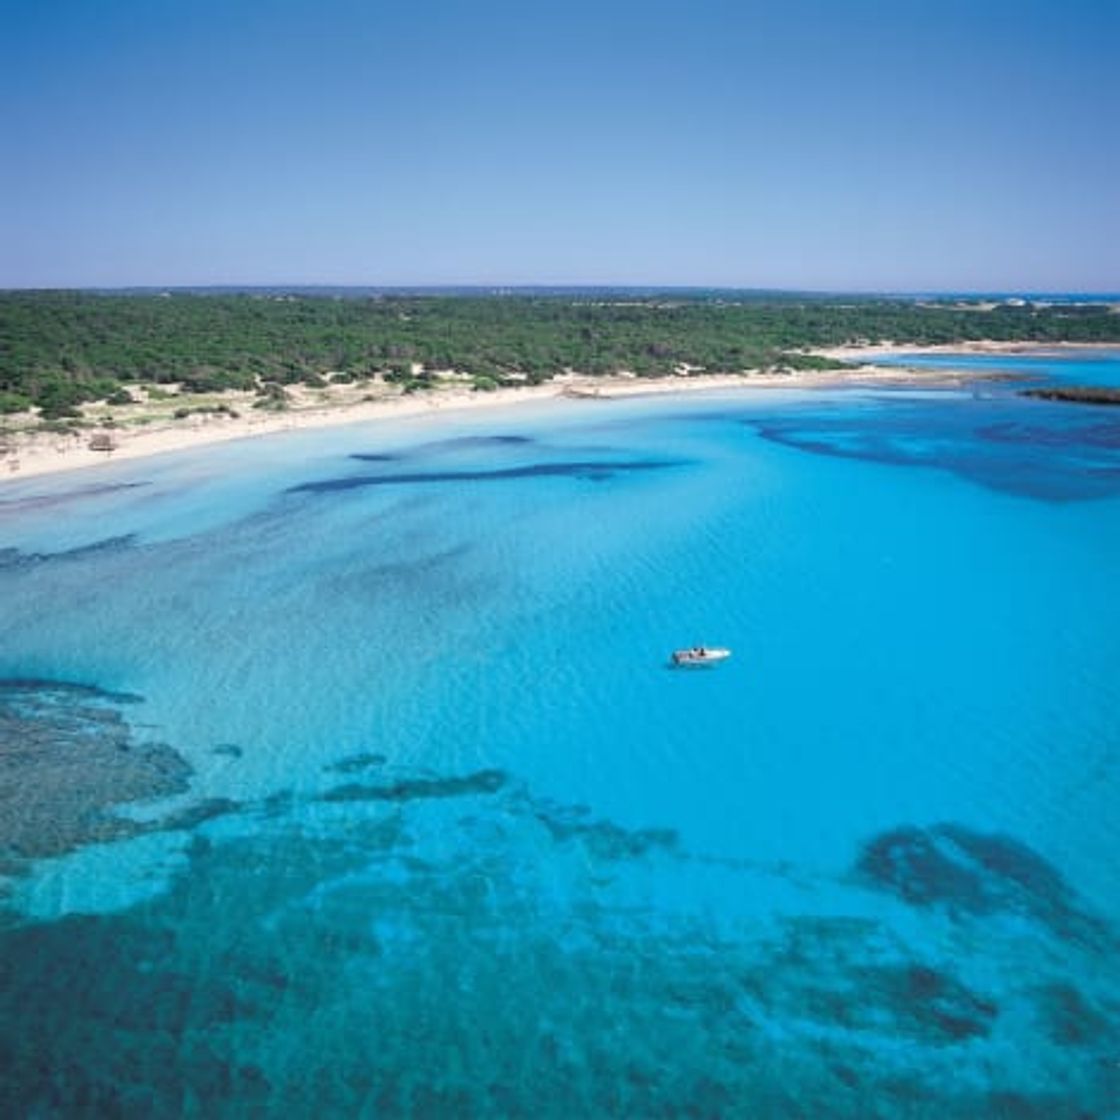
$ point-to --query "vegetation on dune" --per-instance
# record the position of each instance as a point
(61, 349)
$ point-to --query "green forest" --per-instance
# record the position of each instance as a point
(61, 349)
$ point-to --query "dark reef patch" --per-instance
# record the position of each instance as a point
(604, 839)
(839, 974)
(1075, 394)
(984, 440)
(30, 693)
(424, 962)
(933, 1004)
(467, 443)
(976, 873)
(1069, 1019)
(357, 763)
(585, 470)
(436, 447)
(190, 817)
(1007, 1105)
(46, 501)
(1096, 435)
(106, 1035)
(416, 789)
(67, 756)
(14, 558)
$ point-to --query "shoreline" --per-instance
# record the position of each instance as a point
(31, 455)
(37, 453)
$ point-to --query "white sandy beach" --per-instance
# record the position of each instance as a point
(29, 453)
(137, 432)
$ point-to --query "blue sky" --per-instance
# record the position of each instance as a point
(861, 145)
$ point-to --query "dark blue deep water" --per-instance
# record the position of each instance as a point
(343, 774)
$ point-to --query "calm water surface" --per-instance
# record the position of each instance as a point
(455, 841)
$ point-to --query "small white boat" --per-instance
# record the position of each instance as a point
(700, 655)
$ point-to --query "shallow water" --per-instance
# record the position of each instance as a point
(458, 842)
(1098, 366)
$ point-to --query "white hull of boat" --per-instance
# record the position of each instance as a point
(700, 656)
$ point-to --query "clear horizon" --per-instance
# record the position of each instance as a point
(498, 289)
(868, 148)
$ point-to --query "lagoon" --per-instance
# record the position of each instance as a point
(457, 841)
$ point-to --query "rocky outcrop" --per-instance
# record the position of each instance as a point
(67, 757)
(1077, 394)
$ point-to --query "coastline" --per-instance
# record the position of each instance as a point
(32, 454)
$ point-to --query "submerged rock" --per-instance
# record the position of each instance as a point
(356, 763)
(414, 789)
(603, 838)
(14, 558)
(586, 470)
(67, 756)
(974, 873)
(935, 1004)
(435, 960)
(1069, 1019)
(1077, 394)
(202, 811)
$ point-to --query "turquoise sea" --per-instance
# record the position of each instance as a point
(439, 833)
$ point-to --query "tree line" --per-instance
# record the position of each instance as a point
(60, 349)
